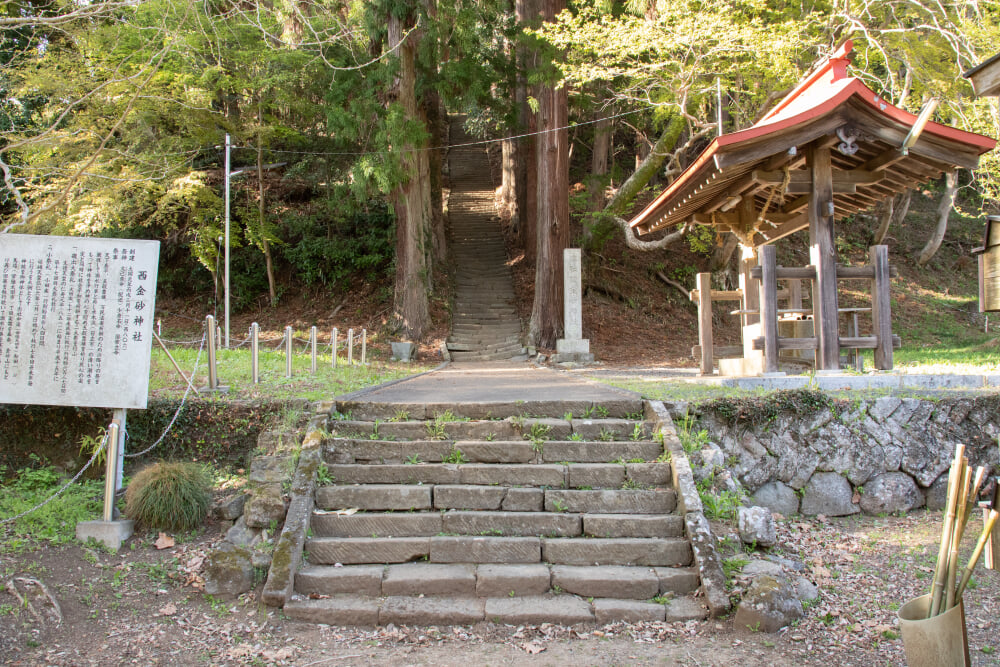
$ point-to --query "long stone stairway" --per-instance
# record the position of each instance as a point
(455, 517)
(485, 324)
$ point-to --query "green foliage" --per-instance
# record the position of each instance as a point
(691, 441)
(89, 445)
(758, 410)
(56, 521)
(330, 250)
(170, 496)
(456, 456)
(701, 240)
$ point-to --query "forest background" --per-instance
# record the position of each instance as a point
(113, 117)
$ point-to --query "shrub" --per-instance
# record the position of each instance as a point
(169, 496)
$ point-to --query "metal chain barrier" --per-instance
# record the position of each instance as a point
(104, 442)
(179, 342)
(180, 407)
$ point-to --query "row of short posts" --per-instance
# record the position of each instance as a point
(287, 342)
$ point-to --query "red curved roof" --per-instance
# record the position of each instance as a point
(816, 100)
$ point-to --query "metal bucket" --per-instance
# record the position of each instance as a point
(933, 642)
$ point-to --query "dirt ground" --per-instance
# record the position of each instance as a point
(145, 606)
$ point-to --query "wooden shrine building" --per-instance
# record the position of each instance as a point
(831, 148)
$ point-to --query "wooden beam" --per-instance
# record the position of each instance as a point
(866, 272)
(847, 342)
(717, 295)
(837, 188)
(801, 176)
(787, 228)
(886, 159)
(719, 351)
(796, 205)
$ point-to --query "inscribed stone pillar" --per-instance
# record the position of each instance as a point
(573, 346)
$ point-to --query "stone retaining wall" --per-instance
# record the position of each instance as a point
(805, 453)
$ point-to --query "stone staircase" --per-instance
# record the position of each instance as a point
(485, 325)
(511, 519)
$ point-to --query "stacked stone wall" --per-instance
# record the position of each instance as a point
(806, 453)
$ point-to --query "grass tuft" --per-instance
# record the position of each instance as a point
(170, 496)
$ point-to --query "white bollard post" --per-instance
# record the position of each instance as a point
(312, 350)
(288, 352)
(333, 346)
(255, 352)
(350, 347)
(364, 347)
(213, 377)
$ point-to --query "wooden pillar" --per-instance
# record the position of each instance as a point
(704, 286)
(769, 307)
(749, 304)
(878, 255)
(823, 255)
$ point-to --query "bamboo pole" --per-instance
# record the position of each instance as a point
(977, 552)
(941, 569)
(956, 537)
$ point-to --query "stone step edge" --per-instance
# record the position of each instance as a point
(496, 523)
(419, 453)
(495, 580)
(446, 549)
(617, 408)
(568, 610)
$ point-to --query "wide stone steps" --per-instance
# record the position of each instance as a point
(521, 520)
(470, 344)
(658, 552)
(632, 456)
(570, 412)
(488, 580)
(579, 432)
(512, 353)
(468, 493)
(508, 610)
(469, 327)
(483, 280)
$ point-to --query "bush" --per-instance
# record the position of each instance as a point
(169, 496)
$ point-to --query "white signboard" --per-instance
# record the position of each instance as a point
(76, 320)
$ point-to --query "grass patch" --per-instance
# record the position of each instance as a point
(234, 370)
(56, 522)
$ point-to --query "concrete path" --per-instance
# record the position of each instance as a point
(502, 385)
(835, 381)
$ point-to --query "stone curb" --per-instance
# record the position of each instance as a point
(706, 558)
(288, 550)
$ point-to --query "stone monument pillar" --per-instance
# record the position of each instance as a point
(573, 347)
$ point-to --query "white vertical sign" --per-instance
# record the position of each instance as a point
(76, 320)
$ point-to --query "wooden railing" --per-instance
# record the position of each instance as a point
(882, 340)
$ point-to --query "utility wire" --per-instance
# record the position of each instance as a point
(444, 148)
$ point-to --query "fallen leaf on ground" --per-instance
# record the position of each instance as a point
(164, 541)
(278, 654)
(532, 648)
(168, 609)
